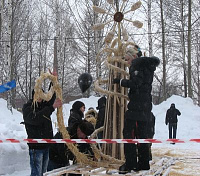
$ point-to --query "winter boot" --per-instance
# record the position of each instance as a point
(143, 165)
(123, 169)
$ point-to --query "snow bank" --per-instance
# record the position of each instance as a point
(14, 158)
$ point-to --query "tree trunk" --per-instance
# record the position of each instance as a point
(98, 64)
(26, 71)
(88, 61)
(9, 52)
(149, 29)
(189, 50)
(183, 49)
(1, 19)
(63, 67)
(31, 69)
(163, 50)
(55, 59)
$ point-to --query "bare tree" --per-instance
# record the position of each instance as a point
(163, 49)
(189, 49)
(149, 29)
(183, 47)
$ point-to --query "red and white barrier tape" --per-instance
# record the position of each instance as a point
(98, 141)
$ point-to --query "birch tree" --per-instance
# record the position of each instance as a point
(163, 49)
(189, 49)
(149, 28)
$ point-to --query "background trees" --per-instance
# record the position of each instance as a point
(34, 34)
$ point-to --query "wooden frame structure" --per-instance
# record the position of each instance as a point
(116, 95)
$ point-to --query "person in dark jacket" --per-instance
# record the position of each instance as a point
(171, 119)
(151, 131)
(76, 113)
(101, 115)
(139, 108)
(38, 125)
(59, 154)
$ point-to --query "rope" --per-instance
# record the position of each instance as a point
(95, 141)
(80, 157)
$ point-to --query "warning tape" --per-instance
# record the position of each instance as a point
(110, 141)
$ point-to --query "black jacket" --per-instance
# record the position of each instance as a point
(171, 115)
(37, 121)
(140, 83)
(101, 114)
(75, 117)
(59, 153)
(151, 126)
(100, 117)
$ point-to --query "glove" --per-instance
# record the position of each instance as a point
(116, 80)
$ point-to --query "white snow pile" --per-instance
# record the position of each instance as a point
(14, 158)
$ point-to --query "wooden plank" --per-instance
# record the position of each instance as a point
(102, 169)
(158, 167)
(55, 171)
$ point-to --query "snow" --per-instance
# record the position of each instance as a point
(14, 160)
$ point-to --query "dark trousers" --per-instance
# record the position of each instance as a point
(136, 155)
(172, 127)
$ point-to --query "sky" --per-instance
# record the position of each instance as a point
(14, 160)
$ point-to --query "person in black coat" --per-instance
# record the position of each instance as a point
(151, 131)
(101, 115)
(171, 119)
(37, 120)
(76, 113)
(141, 73)
(60, 155)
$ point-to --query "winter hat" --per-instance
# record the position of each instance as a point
(172, 105)
(91, 116)
(77, 105)
(133, 51)
(91, 112)
(86, 127)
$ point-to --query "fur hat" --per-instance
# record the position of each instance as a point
(133, 51)
(86, 127)
(77, 105)
(91, 113)
(91, 116)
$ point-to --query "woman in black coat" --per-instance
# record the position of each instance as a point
(139, 108)
(59, 154)
(76, 113)
(101, 115)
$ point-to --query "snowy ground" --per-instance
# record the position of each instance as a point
(14, 160)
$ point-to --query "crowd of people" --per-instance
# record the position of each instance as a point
(38, 125)
(139, 121)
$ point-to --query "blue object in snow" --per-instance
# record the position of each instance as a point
(7, 86)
